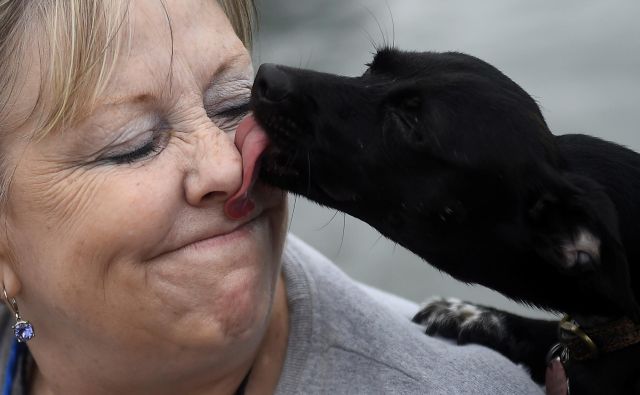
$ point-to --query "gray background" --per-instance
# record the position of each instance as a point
(580, 59)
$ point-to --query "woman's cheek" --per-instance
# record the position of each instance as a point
(82, 220)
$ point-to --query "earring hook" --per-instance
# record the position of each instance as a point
(11, 302)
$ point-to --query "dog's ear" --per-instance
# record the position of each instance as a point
(575, 228)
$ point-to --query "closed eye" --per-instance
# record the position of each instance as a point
(157, 142)
(228, 119)
(240, 110)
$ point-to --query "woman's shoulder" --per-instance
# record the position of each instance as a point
(344, 340)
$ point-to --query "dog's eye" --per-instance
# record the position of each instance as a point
(403, 114)
(409, 106)
(411, 103)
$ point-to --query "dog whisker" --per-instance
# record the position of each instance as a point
(293, 211)
(344, 222)
(335, 213)
(393, 25)
(308, 172)
(380, 235)
(369, 38)
(383, 35)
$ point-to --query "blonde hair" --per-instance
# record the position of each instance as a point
(242, 15)
(82, 44)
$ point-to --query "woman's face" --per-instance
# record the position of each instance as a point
(116, 224)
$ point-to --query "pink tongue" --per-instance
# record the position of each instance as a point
(251, 140)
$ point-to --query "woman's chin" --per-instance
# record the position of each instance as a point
(213, 317)
(217, 290)
(213, 306)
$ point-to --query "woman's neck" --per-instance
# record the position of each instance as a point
(265, 368)
(270, 359)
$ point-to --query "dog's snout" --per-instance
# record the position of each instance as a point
(272, 83)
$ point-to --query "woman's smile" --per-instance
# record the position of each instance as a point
(231, 235)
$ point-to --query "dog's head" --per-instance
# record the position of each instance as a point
(444, 154)
(406, 138)
(409, 116)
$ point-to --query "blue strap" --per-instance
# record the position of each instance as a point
(12, 367)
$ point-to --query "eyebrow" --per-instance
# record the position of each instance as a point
(141, 98)
(147, 98)
(226, 69)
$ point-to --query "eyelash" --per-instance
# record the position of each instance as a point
(152, 147)
(155, 146)
(233, 115)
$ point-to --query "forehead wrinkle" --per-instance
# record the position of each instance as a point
(236, 66)
(166, 63)
(135, 98)
(183, 82)
(137, 82)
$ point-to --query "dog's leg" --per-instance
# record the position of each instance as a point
(525, 341)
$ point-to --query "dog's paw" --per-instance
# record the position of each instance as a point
(464, 322)
(523, 340)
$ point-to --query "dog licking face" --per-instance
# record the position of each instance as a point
(447, 156)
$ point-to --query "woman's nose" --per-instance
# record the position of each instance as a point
(215, 171)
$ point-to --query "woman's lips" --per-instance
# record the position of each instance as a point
(251, 140)
(216, 238)
(223, 238)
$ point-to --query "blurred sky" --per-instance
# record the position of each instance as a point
(580, 59)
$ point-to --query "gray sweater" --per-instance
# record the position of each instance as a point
(344, 341)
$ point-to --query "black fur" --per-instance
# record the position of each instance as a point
(447, 156)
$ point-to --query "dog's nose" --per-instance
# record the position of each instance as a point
(272, 83)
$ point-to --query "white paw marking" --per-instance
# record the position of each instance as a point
(468, 316)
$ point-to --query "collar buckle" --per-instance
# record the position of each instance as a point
(571, 333)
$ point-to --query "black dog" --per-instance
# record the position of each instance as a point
(447, 156)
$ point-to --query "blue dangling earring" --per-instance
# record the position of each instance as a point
(23, 330)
